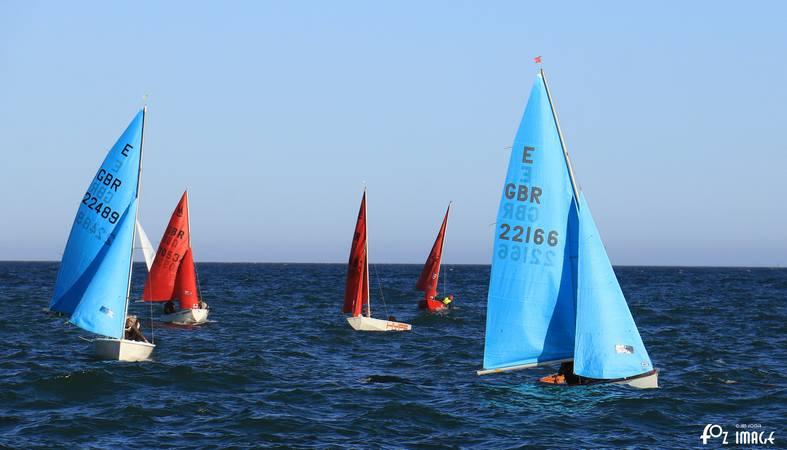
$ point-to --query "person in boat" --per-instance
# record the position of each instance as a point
(169, 307)
(134, 330)
(391, 319)
(432, 299)
(565, 375)
(203, 304)
(567, 371)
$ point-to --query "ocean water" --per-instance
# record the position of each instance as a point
(278, 366)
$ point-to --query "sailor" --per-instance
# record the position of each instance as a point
(567, 372)
(169, 307)
(448, 299)
(134, 330)
(203, 305)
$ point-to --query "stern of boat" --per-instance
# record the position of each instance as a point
(192, 316)
(122, 349)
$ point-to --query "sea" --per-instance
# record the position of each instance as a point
(278, 366)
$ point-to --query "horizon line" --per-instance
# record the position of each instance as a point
(693, 266)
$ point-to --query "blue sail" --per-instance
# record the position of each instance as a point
(92, 283)
(531, 300)
(608, 344)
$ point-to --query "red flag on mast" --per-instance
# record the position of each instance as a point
(537, 60)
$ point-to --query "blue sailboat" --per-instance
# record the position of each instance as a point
(94, 280)
(553, 296)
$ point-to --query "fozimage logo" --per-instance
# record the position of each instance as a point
(745, 434)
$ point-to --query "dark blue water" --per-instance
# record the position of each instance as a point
(279, 366)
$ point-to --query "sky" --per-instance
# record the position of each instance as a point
(274, 114)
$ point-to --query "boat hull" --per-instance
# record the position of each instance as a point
(192, 316)
(647, 380)
(362, 323)
(122, 349)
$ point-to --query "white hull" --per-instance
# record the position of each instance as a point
(362, 323)
(191, 316)
(122, 349)
(647, 382)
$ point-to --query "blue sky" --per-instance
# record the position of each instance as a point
(273, 114)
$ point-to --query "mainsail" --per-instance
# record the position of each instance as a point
(93, 280)
(172, 275)
(531, 301)
(430, 274)
(356, 291)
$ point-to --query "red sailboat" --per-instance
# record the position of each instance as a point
(356, 291)
(427, 282)
(173, 277)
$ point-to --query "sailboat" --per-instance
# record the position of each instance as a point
(427, 282)
(173, 276)
(356, 292)
(553, 296)
(94, 280)
(148, 252)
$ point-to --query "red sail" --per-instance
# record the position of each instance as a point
(427, 282)
(160, 284)
(356, 290)
(186, 290)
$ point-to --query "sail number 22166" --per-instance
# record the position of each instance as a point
(517, 251)
(516, 233)
(526, 254)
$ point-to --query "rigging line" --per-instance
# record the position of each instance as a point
(196, 275)
(196, 272)
(380, 286)
(445, 281)
(144, 256)
(152, 332)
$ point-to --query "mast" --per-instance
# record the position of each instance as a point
(136, 219)
(570, 177)
(442, 246)
(188, 216)
(366, 250)
(188, 222)
(562, 141)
